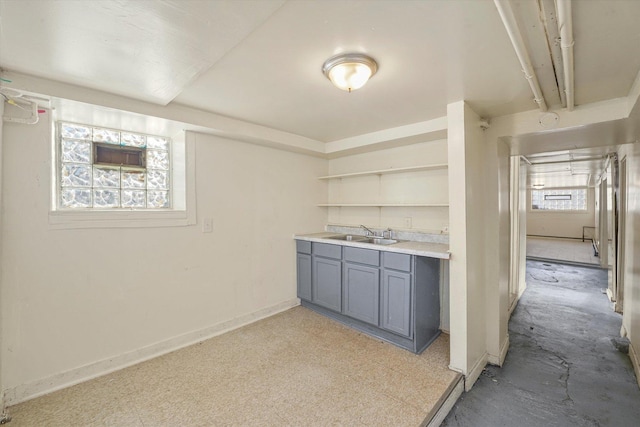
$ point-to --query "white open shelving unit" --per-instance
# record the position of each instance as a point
(380, 173)
(383, 205)
(386, 171)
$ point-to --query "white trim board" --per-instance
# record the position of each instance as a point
(447, 405)
(514, 304)
(633, 355)
(499, 359)
(24, 392)
(474, 373)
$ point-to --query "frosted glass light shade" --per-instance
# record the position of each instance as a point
(349, 71)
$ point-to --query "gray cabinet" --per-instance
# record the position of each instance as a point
(361, 292)
(396, 302)
(303, 264)
(303, 267)
(397, 293)
(391, 296)
(326, 275)
(361, 284)
(327, 283)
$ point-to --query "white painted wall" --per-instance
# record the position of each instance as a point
(467, 242)
(561, 224)
(2, 405)
(517, 230)
(522, 237)
(78, 303)
(627, 109)
(408, 187)
(497, 252)
(631, 305)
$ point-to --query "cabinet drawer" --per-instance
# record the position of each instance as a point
(303, 246)
(362, 256)
(396, 261)
(326, 250)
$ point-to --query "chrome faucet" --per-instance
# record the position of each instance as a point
(368, 231)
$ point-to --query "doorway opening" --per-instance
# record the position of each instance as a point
(562, 203)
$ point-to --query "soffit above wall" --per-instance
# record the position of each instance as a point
(259, 61)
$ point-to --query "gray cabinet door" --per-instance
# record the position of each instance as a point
(327, 283)
(396, 302)
(361, 292)
(304, 276)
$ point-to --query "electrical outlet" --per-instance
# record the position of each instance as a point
(207, 225)
(407, 222)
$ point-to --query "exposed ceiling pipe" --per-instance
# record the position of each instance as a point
(549, 17)
(509, 21)
(565, 26)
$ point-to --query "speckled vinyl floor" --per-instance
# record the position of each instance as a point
(296, 368)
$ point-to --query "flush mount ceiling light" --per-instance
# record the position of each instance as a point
(349, 71)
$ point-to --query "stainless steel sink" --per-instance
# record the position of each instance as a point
(379, 241)
(349, 238)
(364, 239)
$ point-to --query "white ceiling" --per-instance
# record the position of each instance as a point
(260, 60)
(570, 168)
(140, 49)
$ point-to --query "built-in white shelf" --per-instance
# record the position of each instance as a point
(387, 171)
(383, 205)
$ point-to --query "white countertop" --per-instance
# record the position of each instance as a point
(432, 250)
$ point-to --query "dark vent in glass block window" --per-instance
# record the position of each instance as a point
(119, 156)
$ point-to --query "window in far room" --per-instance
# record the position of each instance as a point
(574, 199)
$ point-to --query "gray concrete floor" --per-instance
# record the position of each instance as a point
(562, 368)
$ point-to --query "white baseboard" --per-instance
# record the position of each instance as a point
(474, 373)
(499, 359)
(444, 410)
(514, 303)
(87, 372)
(633, 355)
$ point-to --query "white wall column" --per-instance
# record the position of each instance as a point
(467, 241)
(1, 287)
(497, 248)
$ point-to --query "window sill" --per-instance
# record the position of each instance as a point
(184, 198)
(120, 219)
(558, 211)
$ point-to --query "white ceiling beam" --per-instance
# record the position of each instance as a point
(191, 118)
(553, 162)
(187, 118)
(429, 130)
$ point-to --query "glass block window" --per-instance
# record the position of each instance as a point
(574, 199)
(111, 169)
